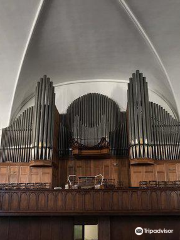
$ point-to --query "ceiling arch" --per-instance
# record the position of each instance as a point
(89, 40)
(16, 21)
(146, 37)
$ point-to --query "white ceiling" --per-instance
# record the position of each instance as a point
(16, 21)
(87, 39)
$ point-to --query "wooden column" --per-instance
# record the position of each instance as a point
(104, 228)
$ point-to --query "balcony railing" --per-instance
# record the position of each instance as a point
(90, 202)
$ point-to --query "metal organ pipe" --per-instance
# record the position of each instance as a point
(94, 116)
(153, 133)
(15, 141)
(43, 120)
(30, 135)
(145, 131)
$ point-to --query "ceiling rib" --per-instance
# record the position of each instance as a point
(145, 36)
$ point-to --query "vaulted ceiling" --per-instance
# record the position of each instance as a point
(87, 40)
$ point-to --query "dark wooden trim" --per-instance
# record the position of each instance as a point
(3, 164)
(158, 201)
(40, 163)
(144, 161)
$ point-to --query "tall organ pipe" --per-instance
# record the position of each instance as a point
(43, 127)
(153, 133)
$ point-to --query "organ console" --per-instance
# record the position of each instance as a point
(93, 137)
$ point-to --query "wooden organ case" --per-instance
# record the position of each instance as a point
(154, 137)
(29, 145)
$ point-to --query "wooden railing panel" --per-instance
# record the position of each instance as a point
(115, 201)
(60, 201)
(33, 198)
(144, 200)
(68, 202)
(174, 200)
(97, 200)
(51, 201)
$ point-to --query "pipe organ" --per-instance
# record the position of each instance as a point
(138, 116)
(16, 140)
(165, 134)
(153, 132)
(43, 122)
(91, 118)
(93, 137)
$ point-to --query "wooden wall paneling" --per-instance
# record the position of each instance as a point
(124, 227)
(160, 172)
(114, 167)
(35, 228)
(167, 223)
(109, 228)
(67, 228)
(106, 169)
(54, 177)
(35, 175)
(149, 174)
(4, 228)
(40, 174)
(56, 228)
(121, 167)
(97, 167)
(87, 164)
(178, 171)
(80, 168)
(124, 171)
(4, 172)
(104, 228)
(14, 229)
(13, 174)
(120, 228)
(109, 168)
(24, 228)
(46, 174)
(137, 175)
(171, 171)
(45, 228)
(70, 170)
(24, 174)
(133, 224)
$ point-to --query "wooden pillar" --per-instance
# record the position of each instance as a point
(104, 228)
(67, 228)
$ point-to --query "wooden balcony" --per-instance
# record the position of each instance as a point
(90, 202)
